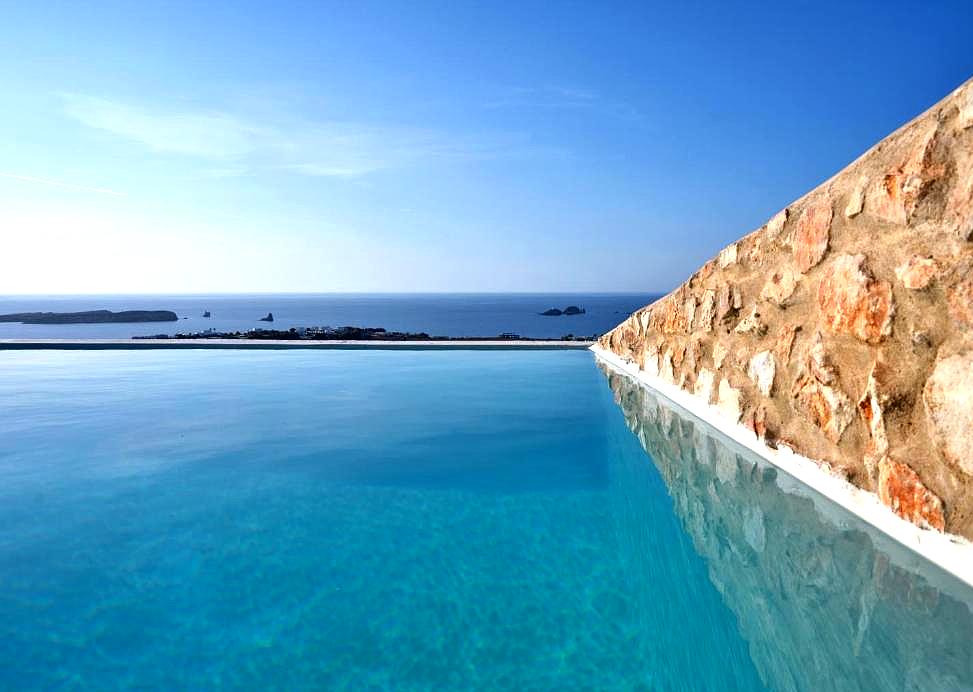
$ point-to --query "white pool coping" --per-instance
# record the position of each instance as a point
(953, 554)
(296, 344)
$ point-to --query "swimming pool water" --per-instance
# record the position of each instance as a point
(425, 520)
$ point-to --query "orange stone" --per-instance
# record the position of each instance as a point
(885, 199)
(678, 354)
(959, 205)
(785, 343)
(827, 407)
(812, 235)
(852, 301)
(899, 487)
(959, 298)
(669, 316)
(706, 270)
(901, 191)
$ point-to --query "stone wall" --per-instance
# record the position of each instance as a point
(843, 328)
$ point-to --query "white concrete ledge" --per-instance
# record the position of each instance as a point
(145, 344)
(953, 554)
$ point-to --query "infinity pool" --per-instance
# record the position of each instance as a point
(426, 520)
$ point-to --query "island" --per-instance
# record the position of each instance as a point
(268, 318)
(91, 317)
(569, 310)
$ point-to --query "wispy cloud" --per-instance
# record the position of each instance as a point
(544, 97)
(553, 97)
(206, 134)
(60, 184)
(217, 173)
(239, 145)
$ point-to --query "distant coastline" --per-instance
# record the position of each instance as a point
(452, 315)
(91, 317)
(347, 334)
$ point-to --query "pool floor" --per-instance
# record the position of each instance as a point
(423, 521)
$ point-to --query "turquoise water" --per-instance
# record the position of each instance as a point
(423, 520)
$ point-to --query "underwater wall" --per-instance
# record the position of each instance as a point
(824, 602)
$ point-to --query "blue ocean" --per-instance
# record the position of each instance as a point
(471, 314)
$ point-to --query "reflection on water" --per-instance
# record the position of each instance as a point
(823, 601)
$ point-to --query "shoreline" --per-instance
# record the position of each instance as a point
(287, 344)
(950, 553)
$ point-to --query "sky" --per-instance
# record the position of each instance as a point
(410, 146)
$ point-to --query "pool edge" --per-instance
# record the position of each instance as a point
(284, 344)
(951, 553)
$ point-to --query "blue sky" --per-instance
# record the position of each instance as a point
(407, 146)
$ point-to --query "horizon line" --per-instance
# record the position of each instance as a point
(324, 293)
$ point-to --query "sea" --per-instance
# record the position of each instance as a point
(437, 314)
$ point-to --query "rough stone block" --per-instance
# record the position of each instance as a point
(899, 487)
(812, 235)
(852, 301)
(730, 401)
(762, 369)
(917, 272)
(780, 286)
(948, 399)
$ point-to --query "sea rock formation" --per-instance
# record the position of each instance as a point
(843, 328)
(569, 310)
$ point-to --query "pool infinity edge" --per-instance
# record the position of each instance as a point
(285, 344)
